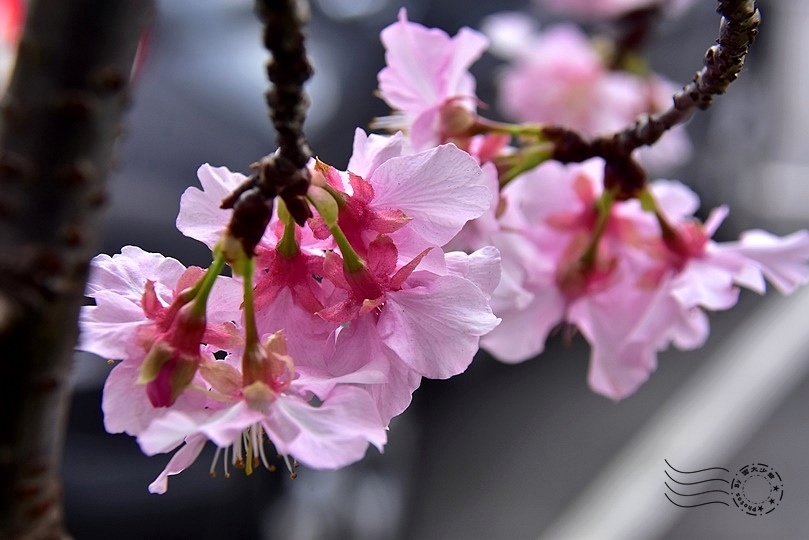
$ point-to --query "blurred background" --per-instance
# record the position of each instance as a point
(523, 451)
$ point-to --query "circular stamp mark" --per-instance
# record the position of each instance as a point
(757, 489)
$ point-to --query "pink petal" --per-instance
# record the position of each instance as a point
(307, 334)
(330, 436)
(621, 359)
(359, 349)
(481, 267)
(617, 367)
(110, 328)
(435, 329)
(783, 260)
(440, 189)
(675, 200)
(200, 214)
(425, 129)
(167, 432)
(126, 406)
(617, 374)
(522, 333)
(707, 284)
(179, 462)
(425, 66)
(371, 151)
(126, 273)
(227, 425)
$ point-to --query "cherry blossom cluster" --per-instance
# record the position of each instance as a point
(453, 233)
(316, 342)
(599, 250)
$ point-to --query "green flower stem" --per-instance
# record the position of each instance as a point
(327, 206)
(603, 206)
(352, 262)
(524, 160)
(484, 125)
(647, 200)
(202, 289)
(649, 204)
(288, 246)
(250, 331)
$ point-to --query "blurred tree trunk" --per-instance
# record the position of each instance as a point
(60, 119)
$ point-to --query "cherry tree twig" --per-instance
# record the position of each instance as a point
(722, 65)
(60, 119)
(283, 174)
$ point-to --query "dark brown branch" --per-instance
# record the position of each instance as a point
(723, 63)
(61, 117)
(283, 174)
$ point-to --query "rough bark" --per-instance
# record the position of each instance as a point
(60, 119)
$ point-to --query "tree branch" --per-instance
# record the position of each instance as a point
(284, 173)
(722, 65)
(61, 116)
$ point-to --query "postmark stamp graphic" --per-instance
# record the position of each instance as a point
(757, 489)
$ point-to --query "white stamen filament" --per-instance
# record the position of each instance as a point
(263, 455)
(291, 467)
(248, 445)
(212, 471)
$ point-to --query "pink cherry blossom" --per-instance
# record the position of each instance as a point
(578, 91)
(645, 287)
(138, 312)
(12, 17)
(330, 436)
(691, 272)
(686, 273)
(427, 79)
(548, 228)
(331, 433)
(432, 322)
(428, 316)
(365, 343)
(420, 200)
(549, 221)
(116, 326)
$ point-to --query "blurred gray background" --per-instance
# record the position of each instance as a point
(523, 451)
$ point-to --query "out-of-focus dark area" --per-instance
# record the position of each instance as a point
(500, 451)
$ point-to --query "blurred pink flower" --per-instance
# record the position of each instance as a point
(645, 286)
(558, 77)
(426, 80)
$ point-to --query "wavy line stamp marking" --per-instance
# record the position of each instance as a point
(756, 489)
